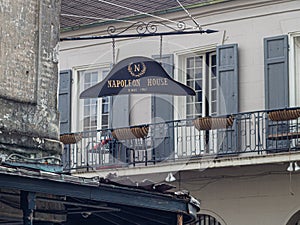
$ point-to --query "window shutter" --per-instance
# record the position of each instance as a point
(118, 118)
(64, 101)
(276, 86)
(120, 111)
(119, 115)
(276, 72)
(162, 107)
(227, 76)
(227, 95)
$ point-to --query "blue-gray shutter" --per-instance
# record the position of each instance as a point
(227, 77)
(276, 72)
(227, 95)
(276, 86)
(64, 101)
(119, 115)
(120, 112)
(159, 106)
(162, 107)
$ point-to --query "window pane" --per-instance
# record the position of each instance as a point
(94, 78)
(199, 96)
(104, 108)
(190, 62)
(190, 99)
(198, 61)
(86, 101)
(86, 122)
(198, 108)
(214, 84)
(190, 74)
(214, 71)
(105, 100)
(213, 108)
(190, 83)
(93, 101)
(190, 109)
(93, 110)
(86, 110)
(94, 121)
(213, 60)
(198, 86)
(104, 73)
(87, 77)
(213, 95)
(104, 120)
(198, 73)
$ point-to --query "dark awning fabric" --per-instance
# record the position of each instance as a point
(137, 75)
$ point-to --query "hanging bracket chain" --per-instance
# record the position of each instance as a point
(114, 51)
(160, 49)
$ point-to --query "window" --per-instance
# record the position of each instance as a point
(295, 219)
(204, 219)
(216, 95)
(90, 105)
(105, 103)
(200, 70)
(194, 79)
(94, 113)
(197, 70)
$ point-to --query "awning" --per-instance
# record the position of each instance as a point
(60, 198)
(137, 75)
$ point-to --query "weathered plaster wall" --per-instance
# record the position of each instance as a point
(29, 33)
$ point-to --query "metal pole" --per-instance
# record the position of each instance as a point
(208, 31)
(27, 205)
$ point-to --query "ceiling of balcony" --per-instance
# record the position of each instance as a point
(78, 13)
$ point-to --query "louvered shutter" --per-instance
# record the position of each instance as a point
(276, 72)
(162, 107)
(64, 101)
(227, 76)
(227, 95)
(276, 87)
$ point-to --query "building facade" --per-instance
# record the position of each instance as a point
(28, 66)
(234, 145)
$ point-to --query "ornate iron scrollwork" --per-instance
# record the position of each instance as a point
(146, 28)
(143, 29)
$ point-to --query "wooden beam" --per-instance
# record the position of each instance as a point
(27, 205)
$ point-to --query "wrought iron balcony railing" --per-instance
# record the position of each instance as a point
(260, 132)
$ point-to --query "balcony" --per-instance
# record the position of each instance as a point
(239, 136)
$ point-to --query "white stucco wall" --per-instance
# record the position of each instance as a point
(248, 24)
(260, 195)
(244, 195)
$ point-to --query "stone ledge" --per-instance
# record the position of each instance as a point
(14, 142)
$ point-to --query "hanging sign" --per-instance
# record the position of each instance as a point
(137, 75)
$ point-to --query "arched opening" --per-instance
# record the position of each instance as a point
(295, 219)
(204, 219)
